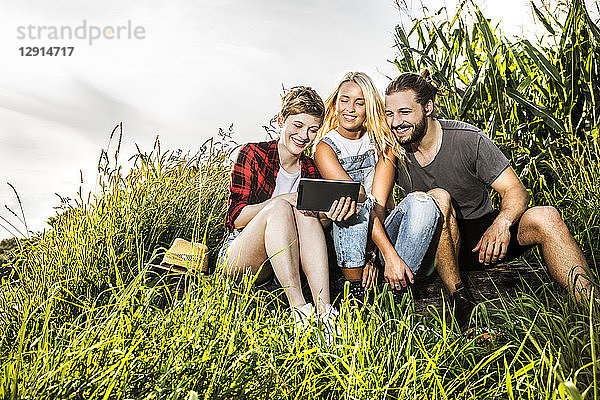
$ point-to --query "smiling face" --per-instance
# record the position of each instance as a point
(298, 132)
(351, 111)
(406, 117)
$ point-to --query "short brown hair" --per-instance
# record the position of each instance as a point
(420, 84)
(302, 100)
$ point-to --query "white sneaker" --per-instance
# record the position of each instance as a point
(303, 316)
(330, 325)
(330, 312)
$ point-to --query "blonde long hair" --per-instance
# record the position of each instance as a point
(375, 122)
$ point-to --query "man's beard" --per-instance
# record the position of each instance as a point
(419, 131)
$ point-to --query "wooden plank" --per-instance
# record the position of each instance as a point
(504, 279)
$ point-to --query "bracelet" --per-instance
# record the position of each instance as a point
(370, 256)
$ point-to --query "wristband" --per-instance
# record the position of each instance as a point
(370, 256)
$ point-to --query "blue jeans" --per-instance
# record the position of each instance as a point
(411, 226)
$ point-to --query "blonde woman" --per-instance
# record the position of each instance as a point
(353, 137)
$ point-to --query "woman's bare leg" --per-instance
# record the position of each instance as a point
(272, 235)
(313, 258)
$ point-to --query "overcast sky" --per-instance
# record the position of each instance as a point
(201, 65)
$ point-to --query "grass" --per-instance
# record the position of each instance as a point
(79, 320)
(224, 341)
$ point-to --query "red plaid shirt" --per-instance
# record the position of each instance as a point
(253, 176)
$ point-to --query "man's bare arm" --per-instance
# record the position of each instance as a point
(493, 244)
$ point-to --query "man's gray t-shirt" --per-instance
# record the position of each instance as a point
(465, 166)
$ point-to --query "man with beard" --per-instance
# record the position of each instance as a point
(458, 164)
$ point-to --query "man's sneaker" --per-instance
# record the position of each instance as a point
(462, 303)
(303, 316)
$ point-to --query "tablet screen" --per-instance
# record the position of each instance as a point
(319, 194)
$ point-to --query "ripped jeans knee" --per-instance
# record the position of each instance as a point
(411, 227)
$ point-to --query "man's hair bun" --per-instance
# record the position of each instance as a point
(425, 74)
(421, 84)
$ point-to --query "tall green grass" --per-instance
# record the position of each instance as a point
(78, 319)
(221, 341)
(99, 244)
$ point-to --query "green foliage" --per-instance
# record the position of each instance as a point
(224, 341)
(6, 246)
(531, 96)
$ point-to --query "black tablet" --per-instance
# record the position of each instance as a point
(319, 194)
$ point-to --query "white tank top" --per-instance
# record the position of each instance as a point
(286, 182)
(351, 147)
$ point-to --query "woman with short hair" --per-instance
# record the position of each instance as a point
(268, 234)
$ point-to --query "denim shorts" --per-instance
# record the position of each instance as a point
(222, 257)
(350, 237)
